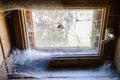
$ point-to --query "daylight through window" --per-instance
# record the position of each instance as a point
(77, 29)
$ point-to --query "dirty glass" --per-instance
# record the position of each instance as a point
(65, 28)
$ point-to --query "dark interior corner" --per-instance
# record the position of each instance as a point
(30, 48)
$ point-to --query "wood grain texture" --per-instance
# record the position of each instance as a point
(1, 55)
(5, 37)
(103, 72)
(37, 4)
(4, 47)
(117, 53)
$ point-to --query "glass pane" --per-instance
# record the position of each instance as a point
(66, 28)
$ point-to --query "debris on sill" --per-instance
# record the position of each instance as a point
(34, 64)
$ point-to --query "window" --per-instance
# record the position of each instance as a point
(71, 31)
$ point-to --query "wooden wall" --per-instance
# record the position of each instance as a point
(117, 55)
(117, 46)
(113, 22)
(5, 46)
(1, 55)
(5, 36)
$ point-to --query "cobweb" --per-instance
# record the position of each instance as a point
(7, 5)
(32, 63)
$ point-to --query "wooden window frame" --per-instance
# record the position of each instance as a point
(22, 40)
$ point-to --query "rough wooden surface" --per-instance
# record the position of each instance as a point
(104, 72)
(5, 47)
(117, 54)
(5, 38)
(37, 4)
(1, 55)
